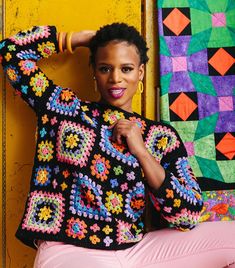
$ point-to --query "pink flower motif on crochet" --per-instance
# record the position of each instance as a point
(53, 120)
(95, 113)
(95, 227)
(167, 209)
(124, 187)
(54, 183)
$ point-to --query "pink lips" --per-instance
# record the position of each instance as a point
(116, 92)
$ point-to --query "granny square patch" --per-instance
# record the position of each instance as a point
(114, 150)
(45, 212)
(160, 141)
(85, 199)
(135, 201)
(64, 101)
(74, 143)
(186, 186)
(126, 233)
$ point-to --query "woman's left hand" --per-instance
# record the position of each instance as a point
(128, 130)
(125, 129)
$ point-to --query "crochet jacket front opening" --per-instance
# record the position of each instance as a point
(85, 189)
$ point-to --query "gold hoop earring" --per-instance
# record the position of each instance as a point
(95, 84)
(140, 87)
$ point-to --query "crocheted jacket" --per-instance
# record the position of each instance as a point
(85, 189)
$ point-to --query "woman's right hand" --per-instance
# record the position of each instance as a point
(79, 39)
(82, 38)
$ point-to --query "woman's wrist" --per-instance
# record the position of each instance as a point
(71, 40)
(142, 153)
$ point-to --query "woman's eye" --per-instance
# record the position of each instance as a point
(127, 69)
(104, 69)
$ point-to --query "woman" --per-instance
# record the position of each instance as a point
(94, 160)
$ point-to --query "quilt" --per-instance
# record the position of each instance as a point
(197, 81)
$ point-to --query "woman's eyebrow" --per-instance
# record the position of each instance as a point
(124, 64)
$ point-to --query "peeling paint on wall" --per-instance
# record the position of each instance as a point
(2, 153)
(1, 20)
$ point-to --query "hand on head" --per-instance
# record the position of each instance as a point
(83, 38)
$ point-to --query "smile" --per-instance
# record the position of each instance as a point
(116, 93)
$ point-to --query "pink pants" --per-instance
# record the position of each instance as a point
(209, 245)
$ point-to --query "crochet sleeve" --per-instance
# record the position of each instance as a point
(179, 198)
(19, 55)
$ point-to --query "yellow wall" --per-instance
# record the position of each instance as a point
(67, 70)
(1, 238)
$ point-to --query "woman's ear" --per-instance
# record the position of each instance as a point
(141, 71)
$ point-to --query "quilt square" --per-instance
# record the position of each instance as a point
(176, 21)
(179, 64)
(218, 19)
(225, 146)
(226, 103)
(183, 106)
(221, 61)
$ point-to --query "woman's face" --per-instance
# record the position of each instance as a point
(117, 71)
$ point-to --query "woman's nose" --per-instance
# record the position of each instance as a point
(115, 76)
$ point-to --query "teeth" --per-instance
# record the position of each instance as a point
(118, 91)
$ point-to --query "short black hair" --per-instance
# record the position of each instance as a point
(119, 32)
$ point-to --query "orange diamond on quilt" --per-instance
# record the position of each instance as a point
(176, 21)
(183, 106)
(221, 61)
(227, 146)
